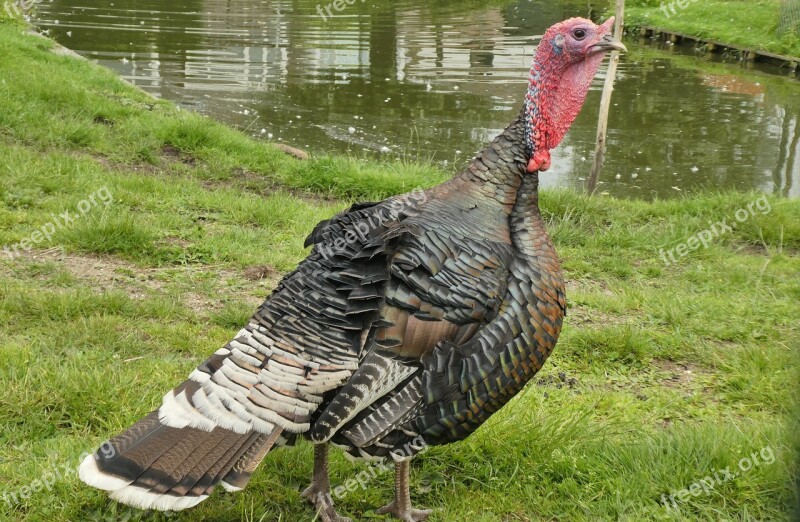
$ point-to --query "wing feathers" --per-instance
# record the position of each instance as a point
(392, 413)
(377, 375)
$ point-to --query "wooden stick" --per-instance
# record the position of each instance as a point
(605, 103)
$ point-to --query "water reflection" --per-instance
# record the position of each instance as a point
(437, 80)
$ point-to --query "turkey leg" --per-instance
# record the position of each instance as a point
(401, 505)
(319, 492)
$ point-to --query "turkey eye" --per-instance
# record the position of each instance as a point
(579, 34)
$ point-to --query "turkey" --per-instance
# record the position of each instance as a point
(410, 323)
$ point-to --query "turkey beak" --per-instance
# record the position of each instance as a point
(609, 44)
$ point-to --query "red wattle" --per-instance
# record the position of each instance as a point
(539, 162)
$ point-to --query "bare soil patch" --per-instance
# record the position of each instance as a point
(110, 273)
(681, 375)
(580, 315)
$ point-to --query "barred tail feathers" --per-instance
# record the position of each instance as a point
(164, 462)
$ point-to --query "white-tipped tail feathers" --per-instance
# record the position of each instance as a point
(122, 490)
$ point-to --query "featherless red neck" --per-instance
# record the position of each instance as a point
(564, 66)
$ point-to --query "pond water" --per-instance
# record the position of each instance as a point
(436, 80)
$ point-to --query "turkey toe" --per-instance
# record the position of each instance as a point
(406, 515)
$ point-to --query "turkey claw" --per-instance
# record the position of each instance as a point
(407, 515)
(323, 504)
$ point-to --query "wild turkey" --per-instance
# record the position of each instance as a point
(411, 322)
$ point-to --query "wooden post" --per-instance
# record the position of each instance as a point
(605, 103)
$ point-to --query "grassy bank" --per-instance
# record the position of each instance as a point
(665, 374)
(752, 24)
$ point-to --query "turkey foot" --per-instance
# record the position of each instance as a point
(400, 507)
(408, 514)
(318, 493)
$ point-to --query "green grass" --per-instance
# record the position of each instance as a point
(679, 370)
(748, 23)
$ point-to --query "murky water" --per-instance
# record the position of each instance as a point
(436, 80)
